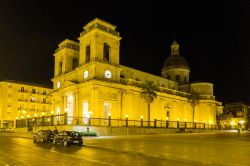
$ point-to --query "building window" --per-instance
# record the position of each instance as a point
(44, 100)
(185, 79)
(9, 95)
(9, 105)
(44, 92)
(33, 91)
(87, 53)
(106, 51)
(22, 89)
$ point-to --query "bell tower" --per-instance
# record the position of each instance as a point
(99, 42)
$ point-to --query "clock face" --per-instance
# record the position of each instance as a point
(108, 74)
(58, 84)
(86, 74)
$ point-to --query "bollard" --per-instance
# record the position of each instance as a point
(126, 122)
(167, 123)
(141, 122)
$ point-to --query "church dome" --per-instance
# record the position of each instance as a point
(175, 60)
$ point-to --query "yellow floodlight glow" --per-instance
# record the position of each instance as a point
(126, 115)
(167, 118)
(141, 117)
(52, 112)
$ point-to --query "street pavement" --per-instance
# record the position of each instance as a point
(224, 149)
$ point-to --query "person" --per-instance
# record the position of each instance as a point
(48, 135)
(55, 131)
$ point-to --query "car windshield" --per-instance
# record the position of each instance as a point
(73, 133)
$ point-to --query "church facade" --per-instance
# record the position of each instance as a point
(90, 81)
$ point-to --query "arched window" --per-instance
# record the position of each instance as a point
(87, 53)
(177, 78)
(106, 52)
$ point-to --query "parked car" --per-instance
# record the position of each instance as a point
(68, 138)
(43, 136)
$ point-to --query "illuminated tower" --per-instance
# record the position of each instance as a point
(175, 66)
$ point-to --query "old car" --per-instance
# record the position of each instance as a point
(43, 136)
(68, 138)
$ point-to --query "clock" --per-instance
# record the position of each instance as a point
(58, 84)
(86, 74)
(108, 74)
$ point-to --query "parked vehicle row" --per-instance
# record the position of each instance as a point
(65, 137)
(9, 130)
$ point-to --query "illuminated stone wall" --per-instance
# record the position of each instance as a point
(101, 88)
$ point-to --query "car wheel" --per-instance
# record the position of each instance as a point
(65, 143)
(54, 141)
(34, 139)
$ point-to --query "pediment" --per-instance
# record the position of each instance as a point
(67, 84)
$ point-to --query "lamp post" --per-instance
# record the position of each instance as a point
(185, 123)
(109, 118)
(90, 113)
(141, 121)
(126, 120)
(178, 123)
(167, 122)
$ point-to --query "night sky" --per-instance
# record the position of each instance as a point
(213, 36)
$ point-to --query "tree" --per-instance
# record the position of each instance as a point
(224, 116)
(148, 93)
(194, 99)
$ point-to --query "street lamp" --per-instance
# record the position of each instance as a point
(126, 120)
(141, 121)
